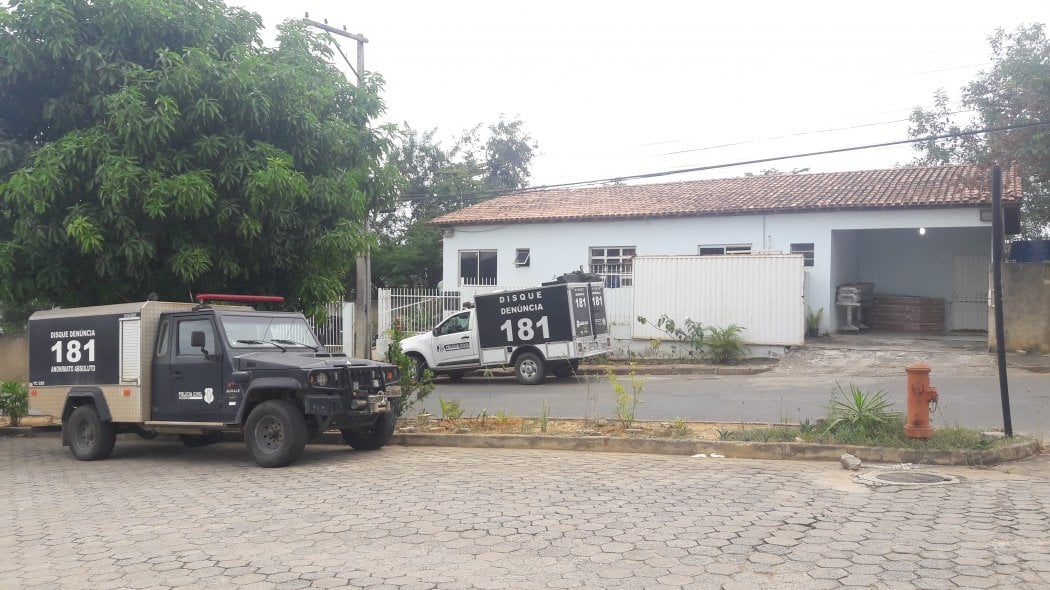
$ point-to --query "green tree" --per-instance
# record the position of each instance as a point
(158, 145)
(1016, 90)
(481, 163)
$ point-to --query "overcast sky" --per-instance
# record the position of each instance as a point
(612, 88)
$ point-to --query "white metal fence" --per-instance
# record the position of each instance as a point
(414, 310)
(337, 330)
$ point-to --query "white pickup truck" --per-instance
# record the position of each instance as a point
(536, 331)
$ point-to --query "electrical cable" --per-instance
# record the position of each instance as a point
(600, 181)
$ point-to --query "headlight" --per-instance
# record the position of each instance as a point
(390, 375)
(320, 379)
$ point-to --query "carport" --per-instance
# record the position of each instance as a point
(949, 263)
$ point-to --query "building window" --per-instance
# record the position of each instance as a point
(720, 249)
(614, 264)
(806, 250)
(521, 257)
(477, 267)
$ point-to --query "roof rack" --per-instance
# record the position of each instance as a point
(204, 298)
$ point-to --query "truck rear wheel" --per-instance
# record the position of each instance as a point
(375, 436)
(90, 439)
(530, 369)
(275, 433)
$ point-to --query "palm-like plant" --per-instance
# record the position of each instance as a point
(725, 344)
(859, 409)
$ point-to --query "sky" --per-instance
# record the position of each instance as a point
(610, 89)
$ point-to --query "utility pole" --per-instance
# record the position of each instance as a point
(363, 287)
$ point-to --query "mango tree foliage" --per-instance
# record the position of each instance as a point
(482, 162)
(158, 145)
(1014, 91)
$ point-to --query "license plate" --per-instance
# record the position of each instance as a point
(378, 403)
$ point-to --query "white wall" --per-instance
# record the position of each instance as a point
(913, 264)
(557, 248)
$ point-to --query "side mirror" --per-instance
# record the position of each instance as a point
(197, 339)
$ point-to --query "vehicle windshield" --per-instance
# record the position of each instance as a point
(251, 331)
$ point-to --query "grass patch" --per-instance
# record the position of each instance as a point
(889, 434)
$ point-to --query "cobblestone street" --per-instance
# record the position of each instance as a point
(159, 515)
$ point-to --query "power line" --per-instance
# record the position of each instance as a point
(580, 183)
(802, 133)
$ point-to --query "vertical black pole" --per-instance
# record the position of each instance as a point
(997, 289)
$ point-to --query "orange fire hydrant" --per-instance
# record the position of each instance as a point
(920, 396)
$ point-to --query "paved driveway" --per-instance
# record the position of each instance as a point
(158, 515)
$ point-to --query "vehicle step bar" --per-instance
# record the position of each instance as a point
(187, 424)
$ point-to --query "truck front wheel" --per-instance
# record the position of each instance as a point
(275, 433)
(419, 366)
(90, 439)
(530, 369)
(375, 436)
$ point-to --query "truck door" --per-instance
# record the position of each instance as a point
(188, 379)
(454, 341)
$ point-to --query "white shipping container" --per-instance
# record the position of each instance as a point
(763, 293)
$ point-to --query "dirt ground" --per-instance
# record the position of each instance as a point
(681, 429)
(885, 354)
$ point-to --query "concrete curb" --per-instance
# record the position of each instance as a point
(735, 450)
(29, 430)
(684, 369)
(663, 446)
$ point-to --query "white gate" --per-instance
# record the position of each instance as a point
(763, 293)
(969, 305)
(414, 310)
(336, 332)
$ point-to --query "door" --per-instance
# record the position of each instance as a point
(454, 342)
(188, 379)
(969, 305)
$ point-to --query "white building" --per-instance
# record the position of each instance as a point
(910, 231)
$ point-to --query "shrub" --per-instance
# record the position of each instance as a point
(412, 392)
(726, 344)
(14, 400)
(690, 332)
(859, 412)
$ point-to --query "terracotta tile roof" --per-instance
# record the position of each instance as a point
(895, 188)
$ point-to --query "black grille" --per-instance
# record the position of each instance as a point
(364, 378)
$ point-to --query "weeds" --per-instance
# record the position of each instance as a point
(450, 409)
(545, 417)
(680, 428)
(806, 427)
(626, 403)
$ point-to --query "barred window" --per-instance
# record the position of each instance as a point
(614, 263)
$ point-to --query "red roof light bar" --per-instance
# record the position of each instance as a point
(240, 298)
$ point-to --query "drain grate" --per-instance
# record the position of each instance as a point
(905, 478)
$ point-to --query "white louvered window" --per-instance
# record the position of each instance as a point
(130, 350)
